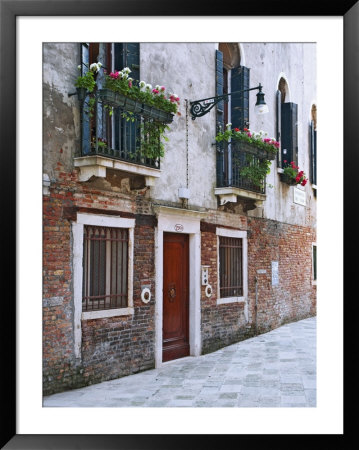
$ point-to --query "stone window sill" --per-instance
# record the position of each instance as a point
(225, 300)
(88, 315)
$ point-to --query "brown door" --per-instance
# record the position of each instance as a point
(175, 296)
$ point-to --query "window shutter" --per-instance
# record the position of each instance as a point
(278, 124)
(289, 133)
(240, 102)
(127, 55)
(313, 153)
(85, 125)
(219, 116)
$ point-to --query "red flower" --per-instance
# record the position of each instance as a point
(245, 129)
(237, 129)
(285, 161)
(304, 182)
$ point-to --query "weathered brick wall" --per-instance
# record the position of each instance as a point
(111, 347)
(220, 324)
(293, 299)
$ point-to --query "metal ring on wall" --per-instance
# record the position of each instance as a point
(145, 295)
(208, 290)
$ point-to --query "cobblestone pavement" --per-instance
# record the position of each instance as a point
(275, 369)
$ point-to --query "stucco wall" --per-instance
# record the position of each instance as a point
(61, 115)
(188, 69)
(297, 64)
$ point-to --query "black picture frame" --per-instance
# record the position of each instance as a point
(9, 10)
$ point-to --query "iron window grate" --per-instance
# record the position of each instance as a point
(105, 268)
(230, 267)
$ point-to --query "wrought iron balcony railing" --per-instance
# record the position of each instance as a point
(120, 132)
(231, 159)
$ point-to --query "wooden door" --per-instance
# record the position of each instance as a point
(175, 296)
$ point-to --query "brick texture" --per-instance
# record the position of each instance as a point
(111, 347)
(119, 346)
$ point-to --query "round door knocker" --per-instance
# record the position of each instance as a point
(208, 290)
(172, 294)
(145, 295)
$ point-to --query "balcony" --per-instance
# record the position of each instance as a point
(232, 186)
(120, 133)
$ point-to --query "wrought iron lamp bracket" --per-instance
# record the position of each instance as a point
(201, 107)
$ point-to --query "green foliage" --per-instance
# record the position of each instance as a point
(151, 142)
(251, 137)
(255, 169)
(86, 81)
(152, 137)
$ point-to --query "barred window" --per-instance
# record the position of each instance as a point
(230, 267)
(105, 268)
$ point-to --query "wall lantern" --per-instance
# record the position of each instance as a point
(201, 107)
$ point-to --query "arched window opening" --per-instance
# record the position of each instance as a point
(286, 125)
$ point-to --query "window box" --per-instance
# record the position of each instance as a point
(150, 112)
(284, 178)
(112, 98)
(242, 146)
(115, 100)
(133, 105)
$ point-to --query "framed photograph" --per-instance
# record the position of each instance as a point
(30, 33)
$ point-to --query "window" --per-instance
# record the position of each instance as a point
(105, 268)
(232, 265)
(102, 269)
(314, 262)
(286, 125)
(111, 130)
(230, 77)
(313, 146)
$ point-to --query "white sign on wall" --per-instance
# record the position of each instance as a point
(275, 274)
(299, 196)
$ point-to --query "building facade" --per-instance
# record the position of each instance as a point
(146, 258)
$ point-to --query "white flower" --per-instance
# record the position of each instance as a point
(149, 86)
(79, 66)
(228, 125)
(124, 75)
(142, 84)
(126, 70)
(158, 87)
(99, 64)
(94, 67)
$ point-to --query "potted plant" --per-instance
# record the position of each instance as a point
(155, 105)
(254, 170)
(86, 83)
(250, 142)
(292, 175)
(121, 90)
(252, 153)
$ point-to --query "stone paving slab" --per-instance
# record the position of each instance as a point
(275, 369)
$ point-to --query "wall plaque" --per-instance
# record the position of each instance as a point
(275, 275)
(299, 196)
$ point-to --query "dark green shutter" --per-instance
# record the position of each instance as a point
(313, 153)
(289, 132)
(240, 101)
(219, 116)
(127, 55)
(278, 124)
(85, 119)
